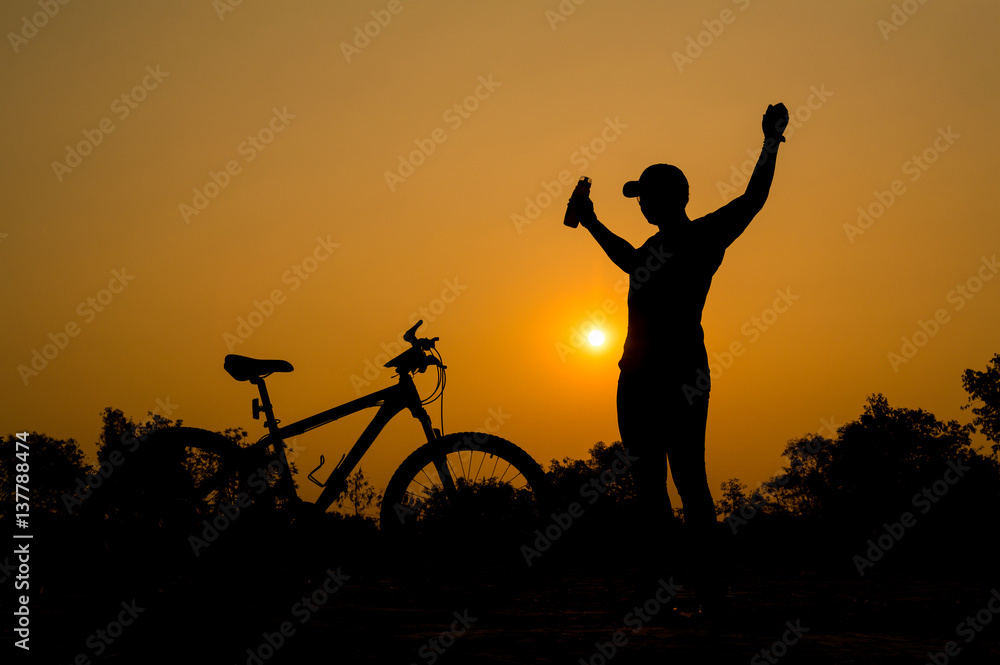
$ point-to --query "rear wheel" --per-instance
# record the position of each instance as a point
(466, 494)
(165, 504)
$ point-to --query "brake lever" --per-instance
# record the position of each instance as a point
(411, 334)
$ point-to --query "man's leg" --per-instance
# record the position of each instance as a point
(686, 452)
(641, 434)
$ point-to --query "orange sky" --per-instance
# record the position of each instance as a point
(287, 122)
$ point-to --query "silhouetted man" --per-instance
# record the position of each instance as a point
(664, 383)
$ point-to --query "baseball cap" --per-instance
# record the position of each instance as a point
(658, 177)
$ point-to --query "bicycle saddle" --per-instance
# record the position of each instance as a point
(243, 368)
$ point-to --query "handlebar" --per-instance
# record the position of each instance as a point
(420, 343)
(416, 358)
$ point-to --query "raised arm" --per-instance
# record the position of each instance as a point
(735, 216)
(619, 250)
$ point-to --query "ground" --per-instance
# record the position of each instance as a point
(232, 609)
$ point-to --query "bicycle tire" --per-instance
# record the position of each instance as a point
(175, 481)
(487, 516)
(200, 466)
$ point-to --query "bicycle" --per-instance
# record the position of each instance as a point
(447, 480)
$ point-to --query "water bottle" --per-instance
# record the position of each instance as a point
(582, 191)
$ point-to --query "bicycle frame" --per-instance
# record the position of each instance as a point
(391, 401)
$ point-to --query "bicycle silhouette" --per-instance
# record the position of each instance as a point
(449, 477)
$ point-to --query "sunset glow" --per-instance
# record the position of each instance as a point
(281, 181)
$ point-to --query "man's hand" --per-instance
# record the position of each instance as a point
(775, 121)
(584, 210)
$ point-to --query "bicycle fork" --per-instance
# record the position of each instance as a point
(444, 471)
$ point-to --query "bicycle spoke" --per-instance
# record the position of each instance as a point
(475, 501)
(480, 468)
(422, 485)
(413, 499)
(212, 483)
(447, 474)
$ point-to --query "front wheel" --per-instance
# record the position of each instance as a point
(468, 493)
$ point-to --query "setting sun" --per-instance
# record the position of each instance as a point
(596, 338)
